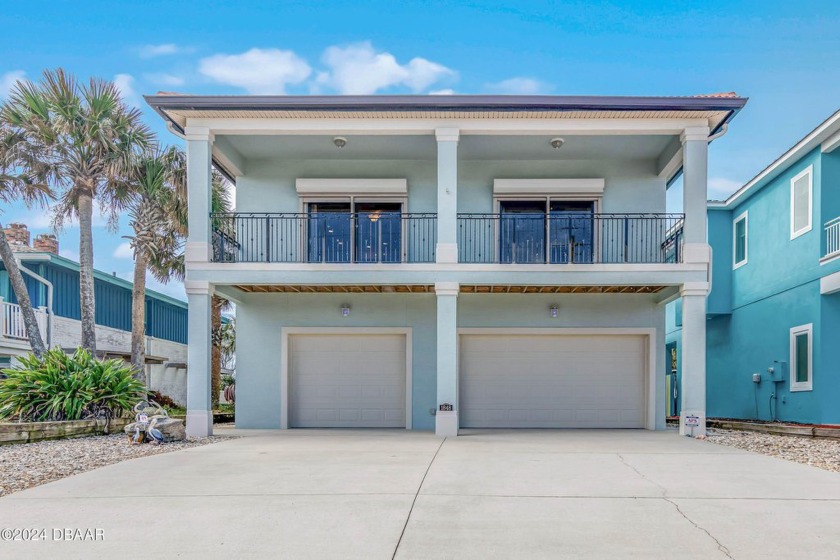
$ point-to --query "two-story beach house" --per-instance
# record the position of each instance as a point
(774, 307)
(449, 262)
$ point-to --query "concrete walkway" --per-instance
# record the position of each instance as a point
(489, 494)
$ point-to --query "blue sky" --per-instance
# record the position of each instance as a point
(785, 56)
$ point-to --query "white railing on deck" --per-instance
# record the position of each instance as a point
(11, 321)
(832, 237)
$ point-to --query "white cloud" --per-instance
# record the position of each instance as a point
(719, 188)
(124, 251)
(518, 86)
(8, 80)
(446, 91)
(125, 83)
(163, 49)
(164, 79)
(359, 69)
(259, 71)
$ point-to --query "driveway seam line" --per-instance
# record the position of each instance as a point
(665, 497)
(414, 501)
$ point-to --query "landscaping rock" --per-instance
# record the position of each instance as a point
(172, 429)
(816, 452)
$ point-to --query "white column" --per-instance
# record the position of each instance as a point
(199, 177)
(447, 201)
(693, 386)
(199, 407)
(695, 173)
(446, 422)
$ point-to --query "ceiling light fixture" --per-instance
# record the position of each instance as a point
(345, 310)
(340, 141)
(554, 311)
(557, 143)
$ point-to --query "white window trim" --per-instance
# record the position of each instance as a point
(746, 218)
(809, 172)
(806, 385)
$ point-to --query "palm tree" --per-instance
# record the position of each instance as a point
(31, 187)
(155, 180)
(87, 136)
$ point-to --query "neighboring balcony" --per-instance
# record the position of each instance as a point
(11, 321)
(393, 237)
(832, 238)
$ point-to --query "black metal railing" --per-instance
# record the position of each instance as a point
(324, 237)
(569, 238)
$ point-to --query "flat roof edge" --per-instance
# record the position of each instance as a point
(510, 103)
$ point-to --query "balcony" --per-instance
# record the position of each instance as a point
(394, 238)
(570, 238)
(327, 237)
(11, 321)
(832, 238)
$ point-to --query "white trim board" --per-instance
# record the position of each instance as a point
(285, 332)
(352, 186)
(650, 354)
(548, 186)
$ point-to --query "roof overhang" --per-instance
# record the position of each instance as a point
(177, 109)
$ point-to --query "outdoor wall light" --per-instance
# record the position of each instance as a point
(554, 311)
(345, 310)
(340, 141)
(557, 143)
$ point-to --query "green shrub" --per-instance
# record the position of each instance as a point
(68, 387)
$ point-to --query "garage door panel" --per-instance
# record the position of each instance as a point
(545, 381)
(347, 380)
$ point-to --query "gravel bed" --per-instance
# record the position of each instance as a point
(817, 452)
(25, 465)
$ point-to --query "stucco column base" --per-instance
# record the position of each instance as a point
(199, 423)
(446, 423)
(699, 429)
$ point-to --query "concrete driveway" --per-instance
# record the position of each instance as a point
(489, 494)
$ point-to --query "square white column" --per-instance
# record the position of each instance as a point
(446, 250)
(695, 142)
(693, 385)
(199, 178)
(199, 407)
(446, 421)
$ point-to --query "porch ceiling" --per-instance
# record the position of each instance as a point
(465, 289)
(417, 147)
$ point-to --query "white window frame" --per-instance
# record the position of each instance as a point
(809, 172)
(746, 219)
(794, 332)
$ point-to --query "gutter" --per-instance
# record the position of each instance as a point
(49, 286)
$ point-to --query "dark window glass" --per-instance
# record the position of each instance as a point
(801, 345)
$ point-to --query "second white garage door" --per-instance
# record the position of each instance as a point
(552, 381)
(347, 381)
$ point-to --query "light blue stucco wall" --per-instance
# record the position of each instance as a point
(269, 186)
(260, 318)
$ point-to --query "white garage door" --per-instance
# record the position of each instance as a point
(347, 381)
(552, 381)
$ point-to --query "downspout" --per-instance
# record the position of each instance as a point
(49, 286)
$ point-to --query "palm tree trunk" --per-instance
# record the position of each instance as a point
(86, 294)
(216, 350)
(138, 317)
(22, 294)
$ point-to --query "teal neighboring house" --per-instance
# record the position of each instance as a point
(773, 313)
